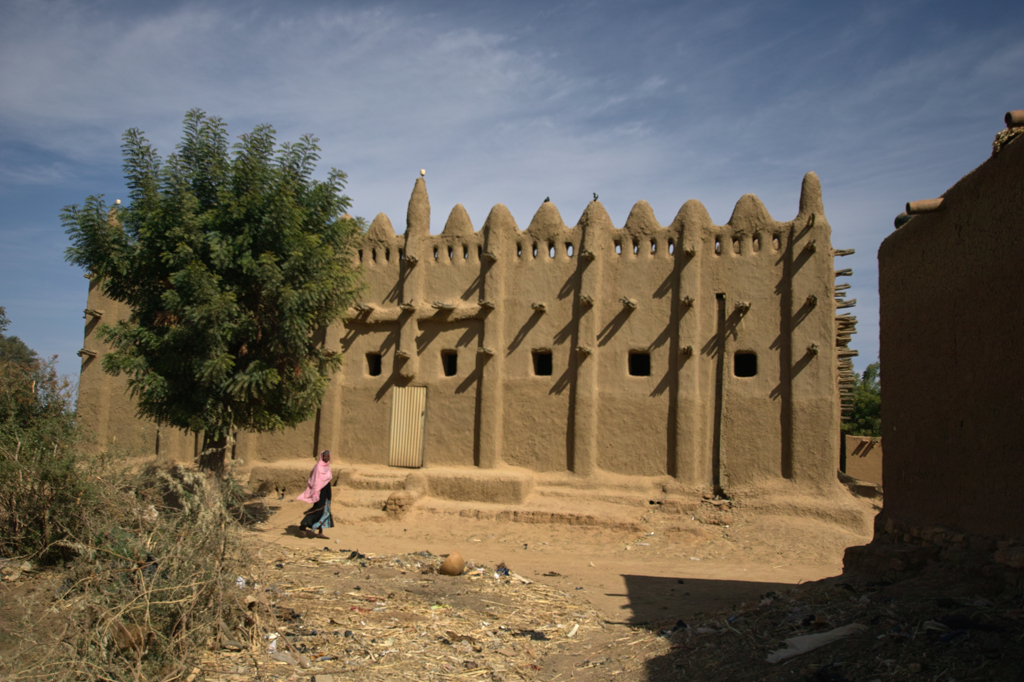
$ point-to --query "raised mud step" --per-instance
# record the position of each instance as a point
(388, 479)
(628, 498)
(472, 485)
(267, 479)
(362, 499)
(291, 477)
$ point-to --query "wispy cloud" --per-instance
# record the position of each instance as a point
(34, 174)
(511, 103)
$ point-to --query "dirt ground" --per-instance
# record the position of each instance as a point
(538, 601)
(672, 597)
(631, 576)
(667, 596)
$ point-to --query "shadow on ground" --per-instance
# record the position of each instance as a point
(660, 603)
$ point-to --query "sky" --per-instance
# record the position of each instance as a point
(507, 103)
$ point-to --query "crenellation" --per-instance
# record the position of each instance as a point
(748, 214)
(641, 221)
(380, 231)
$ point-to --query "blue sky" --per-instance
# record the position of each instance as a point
(510, 103)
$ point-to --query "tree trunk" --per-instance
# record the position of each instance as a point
(213, 454)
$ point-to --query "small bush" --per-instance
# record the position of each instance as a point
(45, 493)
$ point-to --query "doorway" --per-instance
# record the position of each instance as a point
(408, 417)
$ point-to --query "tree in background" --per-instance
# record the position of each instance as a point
(13, 349)
(865, 417)
(233, 265)
(31, 393)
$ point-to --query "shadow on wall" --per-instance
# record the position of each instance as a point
(863, 458)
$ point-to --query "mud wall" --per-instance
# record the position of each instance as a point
(951, 327)
(864, 458)
(693, 351)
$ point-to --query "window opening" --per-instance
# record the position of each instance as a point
(639, 364)
(360, 255)
(535, 249)
(551, 250)
(480, 252)
(618, 247)
(671, 246)
(744, 364)
(465, 252)
(450, 362)
(451, 253)
(435, 253)
(775, 242)
(373, 364)
(654, 247)
(636, 247)
(519, 250)
(718, 245)
(373, 255)
(756, 243)
(387, 255)
(542, 363)
(568, 250)
(401, 254)
(735, 244)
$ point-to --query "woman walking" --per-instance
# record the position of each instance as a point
(318, 493)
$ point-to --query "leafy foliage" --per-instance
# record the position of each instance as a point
(865, 417)
(233, 265)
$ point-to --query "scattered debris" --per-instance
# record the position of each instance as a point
(801, 645)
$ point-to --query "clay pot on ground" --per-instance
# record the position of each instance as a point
(453, 565)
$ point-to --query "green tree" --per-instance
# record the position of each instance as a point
(233, 264)
(865, 418)
(30, 390)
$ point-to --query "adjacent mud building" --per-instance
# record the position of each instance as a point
(705, 357)
(950, 288)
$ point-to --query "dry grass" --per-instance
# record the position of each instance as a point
(147, 588)
(394, 617)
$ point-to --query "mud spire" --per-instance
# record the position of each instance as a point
(417, 219)
(810, 195)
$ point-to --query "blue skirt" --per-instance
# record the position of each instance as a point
(319, 517)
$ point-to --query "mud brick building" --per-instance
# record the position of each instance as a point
(699, 356)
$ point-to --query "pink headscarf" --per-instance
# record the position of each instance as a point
(318, 478)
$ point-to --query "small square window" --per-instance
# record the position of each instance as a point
(450, 362)
(744, 364)
(373, 364)
(542, 363)
(639, 364)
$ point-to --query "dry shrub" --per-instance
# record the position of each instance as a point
(149, 584)
(45, 492)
